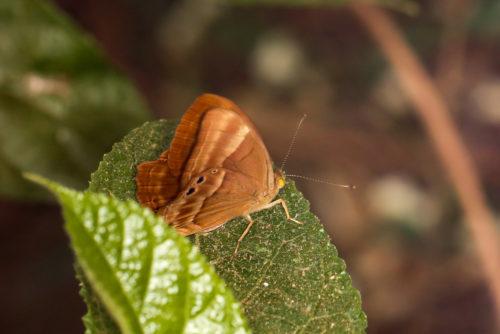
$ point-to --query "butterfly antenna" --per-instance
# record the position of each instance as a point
(293, 141)
(350, 186)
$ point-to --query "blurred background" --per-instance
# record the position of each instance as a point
(401, 232)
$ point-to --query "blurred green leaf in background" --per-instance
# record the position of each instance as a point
(62, 105)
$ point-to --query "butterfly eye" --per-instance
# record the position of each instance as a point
(200, 179)
(214, 171)
(190, 191)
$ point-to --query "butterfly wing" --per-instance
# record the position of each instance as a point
(225, 137)
(156, 184)
(214, 134)
(211, 199)
(186, 134)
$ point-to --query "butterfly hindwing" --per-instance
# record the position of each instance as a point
(210, 199)
(156, 186)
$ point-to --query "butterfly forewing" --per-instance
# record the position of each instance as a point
(186, 133)
(225, 139)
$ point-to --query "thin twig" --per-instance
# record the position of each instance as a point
(435, 116)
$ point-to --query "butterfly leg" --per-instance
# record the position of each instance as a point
(283, 204)
(243, 235)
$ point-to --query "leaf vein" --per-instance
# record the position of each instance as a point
(148, 265)
(266, 267)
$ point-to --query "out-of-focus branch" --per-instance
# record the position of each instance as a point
(435, 116)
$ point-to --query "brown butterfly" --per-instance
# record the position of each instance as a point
(217, 168)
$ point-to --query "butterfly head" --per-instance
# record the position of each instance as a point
(279, 179)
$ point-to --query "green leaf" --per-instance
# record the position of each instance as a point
(151, 279)
(62, 106)
(288, 277)
(97, 319)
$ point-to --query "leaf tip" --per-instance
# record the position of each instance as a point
(37, 179)
(50, 185)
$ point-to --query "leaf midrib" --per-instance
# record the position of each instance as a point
(129, 322)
